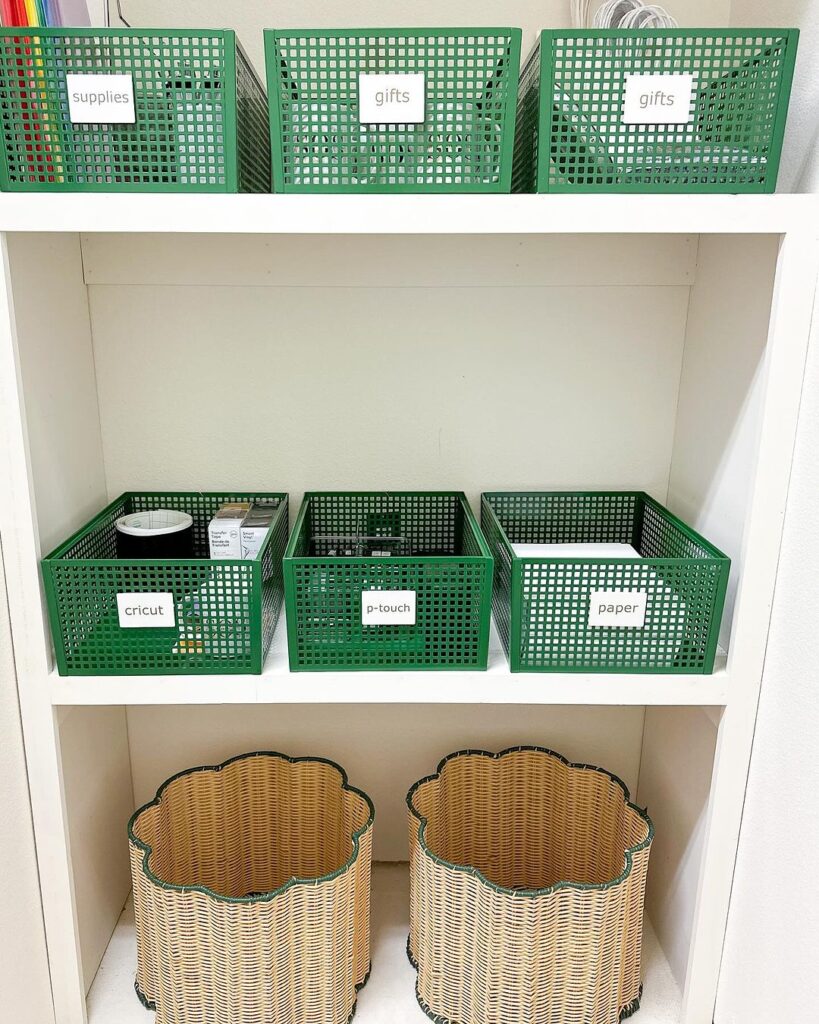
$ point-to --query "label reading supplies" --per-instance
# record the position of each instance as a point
(658, 99)
(391, 99)
(146, 611)
(623, 608)
(100, 99)
(388, 608)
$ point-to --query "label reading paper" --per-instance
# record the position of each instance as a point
(146, 611)
(100, 99)
(391, 99)
(623, 608)
(388, 608)
(658, 99)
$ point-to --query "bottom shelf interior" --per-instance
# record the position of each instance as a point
(390, 993)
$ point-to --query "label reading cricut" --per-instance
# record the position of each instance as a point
(100, 99)
(146, 611)
(388, 608)
(391, 99)
(658, 99)
(621, 608)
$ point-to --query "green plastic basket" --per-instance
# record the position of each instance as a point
(571, 136)
(465, 144)
(426, 543)
(201, 113)
(225, 610)
(543, 605)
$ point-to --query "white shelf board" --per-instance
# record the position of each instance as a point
(407, 214)
(389, 996)
(278, 685)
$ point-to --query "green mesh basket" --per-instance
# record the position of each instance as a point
(225, 611)
(420, 547)
(200, 113)
(572, 137)
(465, 143)
(547, 608)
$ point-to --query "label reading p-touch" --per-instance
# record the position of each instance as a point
(388, 608)
(146, 611)
(391, 99)
(658, 99)
(100, 99)
(618, 608)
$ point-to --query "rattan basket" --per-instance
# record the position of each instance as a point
(252, 893)
(527, 878)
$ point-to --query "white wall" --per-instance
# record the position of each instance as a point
(799, 170)
(25, 992)
(249, 17)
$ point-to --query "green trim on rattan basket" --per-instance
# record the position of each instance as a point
(625, 1013)
(292, 882)
(149, 1005)
(530, 893)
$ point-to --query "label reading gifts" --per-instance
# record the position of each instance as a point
(100, 99)
(618, 608)
(658, 99)
(391, 99)
(146, 611)
(388, 608)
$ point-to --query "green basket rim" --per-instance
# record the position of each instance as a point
(57, 555)
(557, 886)
(715, 554)
(660, 33)
(462, 31)
(291, 882)
(469, 517)
(117, 32)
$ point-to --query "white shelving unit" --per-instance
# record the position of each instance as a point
(295, 343)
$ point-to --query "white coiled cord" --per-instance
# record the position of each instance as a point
(649, 16)
(580, 13)
(622, 14)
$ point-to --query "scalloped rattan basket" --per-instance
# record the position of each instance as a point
(527, 878)
(252, 893)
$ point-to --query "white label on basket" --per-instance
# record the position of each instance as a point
(100, 99)
(391, 99)
(623, 608)
(146, 611)
(658, 99)
(388, 608)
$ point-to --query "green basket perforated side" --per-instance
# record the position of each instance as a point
(448, 566)
(465, 144)
(541, 605)
(184, 138)
(225, 610)
(733, 142)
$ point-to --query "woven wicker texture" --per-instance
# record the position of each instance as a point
(465, 143)
(570, 132)
(439, 554)
(252, 893)
(226, 611)
(527, 879)
(201, 113)
(542, 605)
